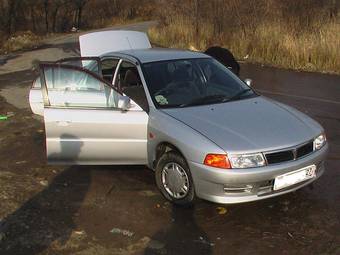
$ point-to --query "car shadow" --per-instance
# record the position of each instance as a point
(182, 236)
(49, 219)
(48, 216)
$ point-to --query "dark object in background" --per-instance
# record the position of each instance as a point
(225, 57)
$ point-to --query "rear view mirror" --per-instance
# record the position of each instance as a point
(124, 103)
(248, 82)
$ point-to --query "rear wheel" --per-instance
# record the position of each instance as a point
(174, 179)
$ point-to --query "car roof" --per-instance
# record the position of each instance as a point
(158, 54)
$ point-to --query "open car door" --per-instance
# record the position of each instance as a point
(83, 122)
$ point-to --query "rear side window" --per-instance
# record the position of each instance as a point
(109, 67)
(129, 82)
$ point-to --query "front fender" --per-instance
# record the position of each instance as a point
(192, 144)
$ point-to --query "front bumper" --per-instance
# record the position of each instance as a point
(229, 186)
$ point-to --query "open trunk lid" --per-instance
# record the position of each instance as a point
(99, 43)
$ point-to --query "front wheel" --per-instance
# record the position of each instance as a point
(174, 179)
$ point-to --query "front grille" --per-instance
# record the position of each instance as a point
(304, 150)
(277, 157)
(288, 155)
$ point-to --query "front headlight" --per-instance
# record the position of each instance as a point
(319, 141)
(247, 160)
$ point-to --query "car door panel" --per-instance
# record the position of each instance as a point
(81, 136)
(36, 101)
(83, 124)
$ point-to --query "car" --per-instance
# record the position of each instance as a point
(205, 133)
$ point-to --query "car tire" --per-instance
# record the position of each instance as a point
(170, 163)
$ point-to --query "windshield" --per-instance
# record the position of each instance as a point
(189, 82)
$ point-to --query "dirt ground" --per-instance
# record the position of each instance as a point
(118, 209)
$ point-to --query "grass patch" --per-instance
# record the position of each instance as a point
(270, 43)
(28, 40)
(21, 41)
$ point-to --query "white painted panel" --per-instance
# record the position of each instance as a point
(36, 101)
(82, 137)
(99, 43)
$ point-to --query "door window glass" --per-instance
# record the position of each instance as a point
(89, 63)
(72, 87)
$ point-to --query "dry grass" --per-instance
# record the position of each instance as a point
(114, 21)
(20, 41)
(273, 43)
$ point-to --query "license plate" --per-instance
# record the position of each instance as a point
(291, 178)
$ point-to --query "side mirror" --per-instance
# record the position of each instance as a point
(124, 103)
(248, 81)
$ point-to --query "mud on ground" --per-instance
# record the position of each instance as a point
(118, 210)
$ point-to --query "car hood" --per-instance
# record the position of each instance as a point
(249, 125)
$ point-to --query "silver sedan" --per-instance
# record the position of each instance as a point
(204, 132)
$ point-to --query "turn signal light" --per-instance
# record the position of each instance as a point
(217, 160)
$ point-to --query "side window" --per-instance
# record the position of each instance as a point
(71, 87)
(131, 85)
(109, 66)
(89, 63)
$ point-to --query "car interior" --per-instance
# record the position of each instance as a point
(130, 84)
(109, 66)
(182, 81)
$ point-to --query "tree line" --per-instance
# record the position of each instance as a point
(46, 16)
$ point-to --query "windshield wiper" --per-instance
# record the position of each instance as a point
(237, 95)
(205, 100)
(214, 99)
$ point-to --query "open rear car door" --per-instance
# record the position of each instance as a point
(83, 121)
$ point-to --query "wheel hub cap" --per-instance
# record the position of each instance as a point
(175, 180)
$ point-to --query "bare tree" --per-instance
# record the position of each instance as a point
(225, 16)
(46, 9)
(57, 4)
(12, 6)
(196, 20)
(333, 9)
(79, 11)
(32, 17)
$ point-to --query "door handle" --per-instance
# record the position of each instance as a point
(64, 123)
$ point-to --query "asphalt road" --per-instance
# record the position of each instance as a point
(16, 69)
(118, 209)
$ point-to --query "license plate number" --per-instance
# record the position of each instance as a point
(291, 178)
